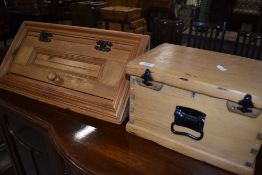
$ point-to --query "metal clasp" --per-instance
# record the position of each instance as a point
(246, 104)
(154, 85)
(147, 81)
(244, 107)
(147, 78)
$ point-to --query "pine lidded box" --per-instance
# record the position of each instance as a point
(80, 69)
(121, 13)
(204, 104)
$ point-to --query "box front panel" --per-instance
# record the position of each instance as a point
(229, 140)
(76, 68)
(73, 63)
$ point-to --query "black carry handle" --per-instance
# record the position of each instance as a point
(189, 118)
(185, 133)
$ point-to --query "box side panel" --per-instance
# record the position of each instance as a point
(230, 140)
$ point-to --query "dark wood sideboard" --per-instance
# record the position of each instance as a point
(104, 148)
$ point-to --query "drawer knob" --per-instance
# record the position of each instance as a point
(52, 76)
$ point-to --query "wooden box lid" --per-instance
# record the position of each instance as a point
(80, 69)
(212, 73)
(121, 13)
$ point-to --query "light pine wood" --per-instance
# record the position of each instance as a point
(228, 137)
(68, 71)
(121, 13)
(196, 70)
(138, 26)
(190, 78)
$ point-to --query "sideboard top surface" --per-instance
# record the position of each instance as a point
(108, 148)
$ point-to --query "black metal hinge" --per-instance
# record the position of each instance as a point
(45, 36)
(246, 104)
(104, 46)
(147, 78)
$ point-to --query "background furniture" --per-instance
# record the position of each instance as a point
(249, 44)
(6, 27)
(87, 13)
(6, 3)
(229, 10)
(157, 12)
(123, 18)
(166, 31)
(148, 4)
(184, 14)
(205, 35)
(3, 51)
(5, 161)
(27, 14)
(188, 14)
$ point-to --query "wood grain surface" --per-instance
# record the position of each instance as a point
(121, 13)
(69, 71)
(196, 70)
(228, 140)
